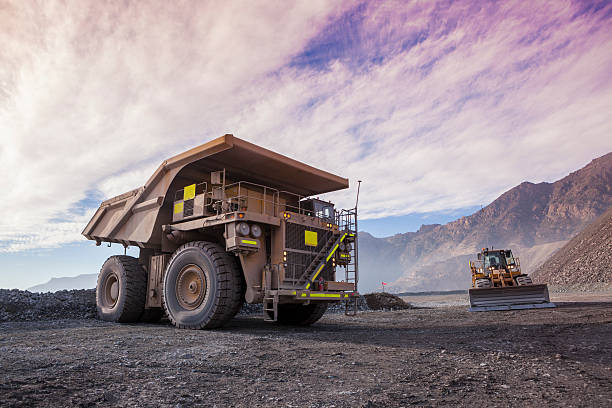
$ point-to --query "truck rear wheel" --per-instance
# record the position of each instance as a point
(121, 289)
(202, 286)
(300, 315)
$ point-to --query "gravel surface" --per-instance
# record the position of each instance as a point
(416, 357)
(20, 305)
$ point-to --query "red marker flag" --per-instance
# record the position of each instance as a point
(384, 283)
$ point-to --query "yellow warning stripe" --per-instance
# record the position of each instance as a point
(324, 295)
(331, 253)
(246, 241)
(334, 250)
(316, 274)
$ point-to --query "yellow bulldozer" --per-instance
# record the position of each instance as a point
(498, 283)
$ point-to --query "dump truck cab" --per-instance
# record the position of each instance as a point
(226, 222)
(499, 284)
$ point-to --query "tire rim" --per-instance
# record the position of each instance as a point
(191, 287)
(111, 290)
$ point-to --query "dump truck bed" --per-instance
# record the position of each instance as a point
(136, 217)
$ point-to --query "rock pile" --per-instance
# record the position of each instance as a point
(585, 260)
(385, 301)
(19, 305)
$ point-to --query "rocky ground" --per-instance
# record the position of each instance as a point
(414, 357)
(19, 305)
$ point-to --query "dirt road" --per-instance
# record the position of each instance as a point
(426, 357)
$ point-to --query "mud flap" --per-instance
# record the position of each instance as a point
(509, 298)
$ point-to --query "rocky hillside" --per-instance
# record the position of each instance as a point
(532, 219)
(587, 258)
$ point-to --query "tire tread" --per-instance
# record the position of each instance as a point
(229, 288)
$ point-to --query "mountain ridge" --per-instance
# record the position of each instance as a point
(83, 281)
(527, 216)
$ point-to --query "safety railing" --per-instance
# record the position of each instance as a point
(257, 198)
(247, 196)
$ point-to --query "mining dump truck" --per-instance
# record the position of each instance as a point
(499, 284)
(222, 223)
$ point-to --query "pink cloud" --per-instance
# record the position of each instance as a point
(413, 102)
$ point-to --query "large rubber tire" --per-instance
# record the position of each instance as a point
(240, 288)
(121, 289)
(482, 283)
(300, 315)
(523, 280)
(202, 286)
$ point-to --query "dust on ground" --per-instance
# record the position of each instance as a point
(415, 357)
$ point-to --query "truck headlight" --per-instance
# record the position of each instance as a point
(256, 231)
(242, 228)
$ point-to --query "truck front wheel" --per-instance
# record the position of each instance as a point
(202, 286)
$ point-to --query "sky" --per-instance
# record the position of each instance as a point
(438, 106)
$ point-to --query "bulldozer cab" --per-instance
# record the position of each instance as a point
(498, 259)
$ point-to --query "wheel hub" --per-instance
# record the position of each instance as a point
(191, 287)
(111, 290)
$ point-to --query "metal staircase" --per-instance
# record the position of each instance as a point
(321, 259)
(347, 227)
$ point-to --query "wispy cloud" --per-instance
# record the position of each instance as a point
(435, 105)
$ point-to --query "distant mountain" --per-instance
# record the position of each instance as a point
(87, 281)
(587, 258)
(532, 219)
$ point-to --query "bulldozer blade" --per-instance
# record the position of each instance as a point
(509, 298)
